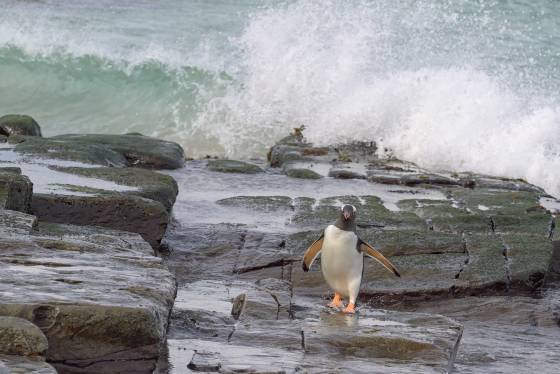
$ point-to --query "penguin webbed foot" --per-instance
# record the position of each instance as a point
(336, 302)
(350, 309)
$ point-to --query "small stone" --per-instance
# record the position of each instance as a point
(302, 173)
(205, 361)
(233, 166)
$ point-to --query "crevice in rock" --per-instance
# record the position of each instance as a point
(492, 225)
(280, 262)
(506, 251)
(292, 205)
(96, 362)
(278, 305)
(242, 239)
(290, 308)
(467, 257)
(230, 335)
(302, 339)
(430, 224)
(551, 227)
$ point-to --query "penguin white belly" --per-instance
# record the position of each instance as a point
(342, 265)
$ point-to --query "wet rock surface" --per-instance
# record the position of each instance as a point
(68, 191)
(69, 274)
(107, 150)
(458, 239)
(93, 324)
(476, 254)
(233, 166)
(149, 184)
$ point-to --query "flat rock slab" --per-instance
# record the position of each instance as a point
(146, 217)
(107, 150)
(23, 365)
(372, 341)
(267, 204)
(310, 213)
(485, 269)
(528, 259)
(145, 183)
(233, 166)
(423, 276)
(93, 323)
(233, 318)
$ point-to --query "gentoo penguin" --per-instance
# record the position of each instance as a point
(342, 258)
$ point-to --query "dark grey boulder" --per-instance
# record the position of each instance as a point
(88, 153)
(18, 124)
(302, 173)
(346, 174)
(146, 217)
(108, 150)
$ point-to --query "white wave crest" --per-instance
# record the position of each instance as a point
(338, 70)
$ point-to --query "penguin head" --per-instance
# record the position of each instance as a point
(348, 213)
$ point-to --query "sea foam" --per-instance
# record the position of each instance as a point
(346, 73)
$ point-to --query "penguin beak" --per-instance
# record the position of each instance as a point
(346, 215)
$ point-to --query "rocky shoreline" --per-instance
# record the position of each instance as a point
(78, 260)
(107, 266)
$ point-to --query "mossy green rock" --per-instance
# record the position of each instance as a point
(108, 150)
(18, 124)
(529, 258)
(485, 270)
(88, 153)
(233, 166)
(371, 213)
(146, 217)
(151, 185)
(15, 190)
(259, 203)
(302, 173)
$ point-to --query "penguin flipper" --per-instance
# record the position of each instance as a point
(376, 255)
(311, 253)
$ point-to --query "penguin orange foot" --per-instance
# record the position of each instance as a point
(336, 302)
(350, 309)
